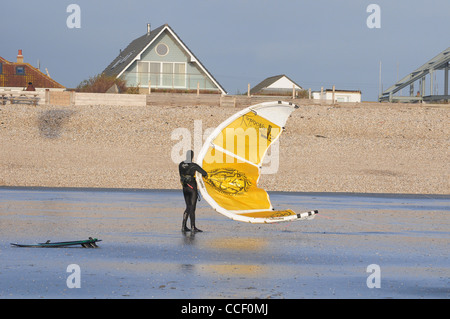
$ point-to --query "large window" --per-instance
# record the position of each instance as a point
(143, 73)
(155, 73)
(167, 74)
(1, 68)
(162, 74)
(179, 74)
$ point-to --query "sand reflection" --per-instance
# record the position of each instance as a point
(235, 270)
(238, 243)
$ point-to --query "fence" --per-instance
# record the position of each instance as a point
(70, 98)
(111, 99)
(236, 101)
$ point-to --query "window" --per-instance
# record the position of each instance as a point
(162, 74)
(155, 73)
(167, 74)
(179, 74)
(1, 68)
(143, 75)
(20, 70)
(162, 49)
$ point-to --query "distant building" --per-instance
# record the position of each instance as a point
(275, 85)
(425, 93)
(161, 59)
(18, 75)
(339, 95)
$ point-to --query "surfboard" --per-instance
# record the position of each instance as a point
(89, 243)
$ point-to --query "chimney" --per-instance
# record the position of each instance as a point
(148, 28)
(20, 57)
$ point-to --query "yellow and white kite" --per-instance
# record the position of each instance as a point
(233, 155)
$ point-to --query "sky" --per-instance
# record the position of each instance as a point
(315, 43)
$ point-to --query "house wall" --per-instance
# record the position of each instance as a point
(344, 97)
(193, 76)
(354, 97)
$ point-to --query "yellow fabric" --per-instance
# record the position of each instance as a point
(270, 214)
(249, 136)
(233, 186)
(231, 182)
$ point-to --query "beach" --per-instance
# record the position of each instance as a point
(377, 173)
(143, 253)
(363, 148)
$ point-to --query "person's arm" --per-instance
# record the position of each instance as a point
(201, 170)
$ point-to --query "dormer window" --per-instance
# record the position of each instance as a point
(20, 70)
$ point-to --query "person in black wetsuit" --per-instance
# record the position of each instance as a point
(187, 171)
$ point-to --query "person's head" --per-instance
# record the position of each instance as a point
(189, 156)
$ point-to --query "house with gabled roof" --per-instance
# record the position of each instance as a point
(161, 60)
(17, 75)
(275, 85)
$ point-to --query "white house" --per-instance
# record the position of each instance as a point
(278, 84)
(339, 95)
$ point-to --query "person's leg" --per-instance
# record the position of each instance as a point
(193, 206)
(187, 198)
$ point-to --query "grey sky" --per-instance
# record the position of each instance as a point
(315, 43)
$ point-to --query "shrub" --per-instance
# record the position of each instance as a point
(100, 84)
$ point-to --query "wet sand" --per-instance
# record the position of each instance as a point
(143, 253)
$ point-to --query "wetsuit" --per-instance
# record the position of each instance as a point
(187, 177)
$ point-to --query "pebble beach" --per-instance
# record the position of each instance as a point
(363, 148)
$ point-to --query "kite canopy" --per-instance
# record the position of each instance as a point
(232, 156)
